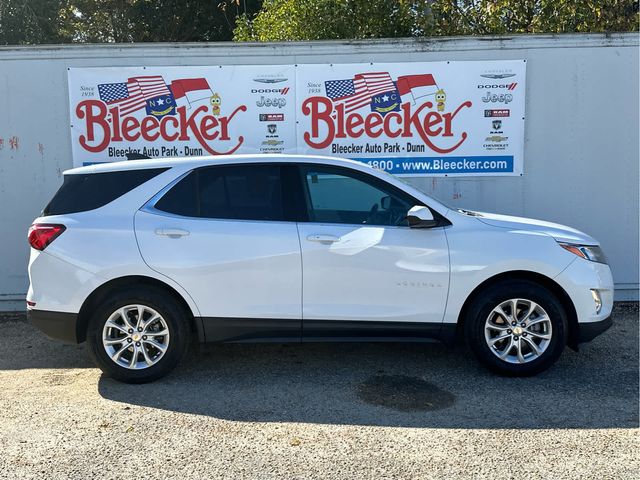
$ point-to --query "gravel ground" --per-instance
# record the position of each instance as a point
(320, 411)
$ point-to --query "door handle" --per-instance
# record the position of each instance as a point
(172, 232)
(323, 238)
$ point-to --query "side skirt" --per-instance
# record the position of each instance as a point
(250, 330)
(257, 330)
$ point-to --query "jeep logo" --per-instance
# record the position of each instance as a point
(497, 97)
(278, 102)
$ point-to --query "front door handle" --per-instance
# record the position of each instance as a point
(323, 238)
(172, 232)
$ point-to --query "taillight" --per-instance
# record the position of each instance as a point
(42, 234)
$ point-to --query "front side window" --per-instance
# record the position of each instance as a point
(337, 196)
(237, 192)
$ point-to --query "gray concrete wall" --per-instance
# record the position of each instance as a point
(581, 160)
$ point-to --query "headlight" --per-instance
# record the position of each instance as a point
(588, 252)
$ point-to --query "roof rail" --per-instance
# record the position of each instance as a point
(137, 156)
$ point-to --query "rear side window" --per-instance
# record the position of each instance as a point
(239, 192)
(84, 192)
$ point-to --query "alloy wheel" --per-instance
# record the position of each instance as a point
(518, 330)
(135, 337)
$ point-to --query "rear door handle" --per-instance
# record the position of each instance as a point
(172, 232)
(323, 238)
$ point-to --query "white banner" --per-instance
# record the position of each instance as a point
(180, 111)
(436, 118)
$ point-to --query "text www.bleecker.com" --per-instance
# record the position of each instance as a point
(489, 164)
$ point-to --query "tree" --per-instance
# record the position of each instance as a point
(97, 21)
(158, 20)
(280, 20)
(353, 19)
(32, 21)
(483, 17)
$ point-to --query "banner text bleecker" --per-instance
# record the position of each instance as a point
(393, 124)
(104, 126)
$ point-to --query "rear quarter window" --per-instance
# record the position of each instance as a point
(88, 191)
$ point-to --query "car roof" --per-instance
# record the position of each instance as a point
(193, 162)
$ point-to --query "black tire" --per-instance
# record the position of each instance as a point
(174, 315)
(494, 295)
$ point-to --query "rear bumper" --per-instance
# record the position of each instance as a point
(589, 331)
(56, 325)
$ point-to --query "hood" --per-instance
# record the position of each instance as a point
(559, 232)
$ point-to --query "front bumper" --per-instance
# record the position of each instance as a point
(589, 331)
(578, 280)
(56, 325)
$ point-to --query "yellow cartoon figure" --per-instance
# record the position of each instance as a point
(215, 104)
(441, 97)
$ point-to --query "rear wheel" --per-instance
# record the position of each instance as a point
(516, 328)
(139, 335)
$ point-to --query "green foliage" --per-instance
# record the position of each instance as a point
(328, 19)
(64, 21)
(483, 17)
(38, 20)
(280, 20)
(61, 21)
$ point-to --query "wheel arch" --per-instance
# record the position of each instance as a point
(100, 293)
(549, 283)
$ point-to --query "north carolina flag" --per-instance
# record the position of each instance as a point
(417, 85)
(189, 90)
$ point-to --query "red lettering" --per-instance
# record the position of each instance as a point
(99, 133)
(95, 121)
(189, 124)
(208, 126)
(115, 124)
(372, 121)
(448, 117)
(387, 127)
(329, 122)
(432, 119)
(412, 119)
(353, 122)
(319, 118)
(340, 114)
(148, 125)
(130, 124)
(224, 124)
(163, 128)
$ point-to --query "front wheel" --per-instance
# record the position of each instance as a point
(516, 328)
(138, 336)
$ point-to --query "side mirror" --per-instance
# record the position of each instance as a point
(421, 217)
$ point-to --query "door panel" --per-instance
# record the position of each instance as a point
(361, 261)
(374, 273)
(230, 268)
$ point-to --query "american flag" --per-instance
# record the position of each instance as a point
(133, 95)
(358, 92)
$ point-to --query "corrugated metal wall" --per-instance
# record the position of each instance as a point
(581, 165)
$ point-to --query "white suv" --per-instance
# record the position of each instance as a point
(139, 257)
